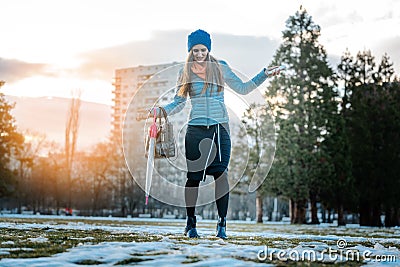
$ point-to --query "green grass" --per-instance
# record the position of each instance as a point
(191, 259)
(88, 262)
(130, 260)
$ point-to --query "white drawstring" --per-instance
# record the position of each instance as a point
(208, 157)
(219, 144)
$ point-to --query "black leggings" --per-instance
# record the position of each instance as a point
(221, 194)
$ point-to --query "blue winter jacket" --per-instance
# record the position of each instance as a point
(209, 108)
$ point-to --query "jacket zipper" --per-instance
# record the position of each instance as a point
(208, 126)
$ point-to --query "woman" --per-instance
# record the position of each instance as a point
(207, 140)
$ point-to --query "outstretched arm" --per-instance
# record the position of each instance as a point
(234, 82)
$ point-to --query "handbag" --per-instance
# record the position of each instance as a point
(165, 141)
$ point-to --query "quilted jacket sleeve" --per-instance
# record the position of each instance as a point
(236, 84)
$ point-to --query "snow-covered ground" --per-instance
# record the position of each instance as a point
(160, 242)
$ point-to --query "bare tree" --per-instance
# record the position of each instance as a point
(71, 137)
(25, 157)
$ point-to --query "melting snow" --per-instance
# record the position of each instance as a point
(208, 250)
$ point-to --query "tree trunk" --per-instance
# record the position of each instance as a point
(390, 217)
(19, 211)
(323, 213)
(370, 216)
(329, 216)
(259, 207)
(300, 207)
(291, 210)
(314, 209)
(376, 216)
(397, 217)
(122, 195)
(341, 219)
(71, 136)
(365, 214)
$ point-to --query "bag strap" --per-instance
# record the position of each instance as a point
(163, 114)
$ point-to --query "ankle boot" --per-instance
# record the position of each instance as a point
(190, 229)
(221, 228)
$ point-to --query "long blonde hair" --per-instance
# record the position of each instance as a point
(213, 75)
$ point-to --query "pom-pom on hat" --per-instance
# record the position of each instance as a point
(199, 37)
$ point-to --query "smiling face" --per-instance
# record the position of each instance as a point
(200, 53)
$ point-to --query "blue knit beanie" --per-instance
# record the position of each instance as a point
(199, 37)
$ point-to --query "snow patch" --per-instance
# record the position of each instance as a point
(38, 239)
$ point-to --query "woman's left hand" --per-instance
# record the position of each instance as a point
(272, 71)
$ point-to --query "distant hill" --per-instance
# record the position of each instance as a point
(48, 115)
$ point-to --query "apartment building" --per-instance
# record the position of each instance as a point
(137, 89)
(141, 80)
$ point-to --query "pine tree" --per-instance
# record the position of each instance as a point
(385, 71)
(373, 123)
(343, 186)
(363, 136)
(365, 68)
(10, 140)
(346, 73)
(304, 116)
(390, 153)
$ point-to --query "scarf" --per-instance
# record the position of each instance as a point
(199, 69)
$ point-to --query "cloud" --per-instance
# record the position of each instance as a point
(245, 53)
(13, 70)
(162, 47)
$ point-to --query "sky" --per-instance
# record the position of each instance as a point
(52, 48)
